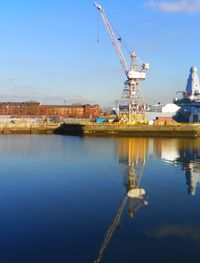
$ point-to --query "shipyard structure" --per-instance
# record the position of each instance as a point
(190, 102)
(34, 109)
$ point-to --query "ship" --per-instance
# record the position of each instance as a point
(190, 102)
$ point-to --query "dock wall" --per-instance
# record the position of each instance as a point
(27, 127)
(93, 129)
(187, 130)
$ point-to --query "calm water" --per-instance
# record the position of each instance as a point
(64, 199)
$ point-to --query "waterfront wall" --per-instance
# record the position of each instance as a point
(92, 129)
(131, 130)
(29, 127)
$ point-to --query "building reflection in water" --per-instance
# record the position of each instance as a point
(185, 153)
(132, 157)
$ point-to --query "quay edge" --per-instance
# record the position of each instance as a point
(183, 130)
(93, 129)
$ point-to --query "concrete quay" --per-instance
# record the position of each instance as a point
(93, 129)
(182, 130)
(28, 127)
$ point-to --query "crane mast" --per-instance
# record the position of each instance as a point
(131, 105)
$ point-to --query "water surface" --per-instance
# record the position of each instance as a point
(64, 199)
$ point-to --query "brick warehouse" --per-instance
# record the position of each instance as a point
(35, 109)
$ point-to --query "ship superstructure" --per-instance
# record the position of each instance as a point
(190, 102)
(193, 87)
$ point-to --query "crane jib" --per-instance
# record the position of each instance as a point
(113, 38)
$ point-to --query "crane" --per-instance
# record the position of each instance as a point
(131, 105)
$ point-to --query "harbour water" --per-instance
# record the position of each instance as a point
(64, 199)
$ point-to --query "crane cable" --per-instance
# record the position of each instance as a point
(120, 39)
(98, 29)
(125, 43)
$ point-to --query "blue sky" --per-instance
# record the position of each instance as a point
(49, 50)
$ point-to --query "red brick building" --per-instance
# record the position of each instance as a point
(91, 111)
(64, 111)
(19, 108)
(34, 109)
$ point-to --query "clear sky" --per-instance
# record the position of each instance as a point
(49, 50)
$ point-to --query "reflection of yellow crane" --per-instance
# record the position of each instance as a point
(111, 229)
(132, 157)
(136, 201)
(135, 193)
(132, 182)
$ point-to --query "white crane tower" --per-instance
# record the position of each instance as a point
(131, 105)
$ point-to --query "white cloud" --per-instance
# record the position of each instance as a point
(13, 95)
(14, 78)
(178, 6)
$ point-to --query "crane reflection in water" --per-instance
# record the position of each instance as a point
(132, 157)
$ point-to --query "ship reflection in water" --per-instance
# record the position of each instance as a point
(185, 154)
(132, 156)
